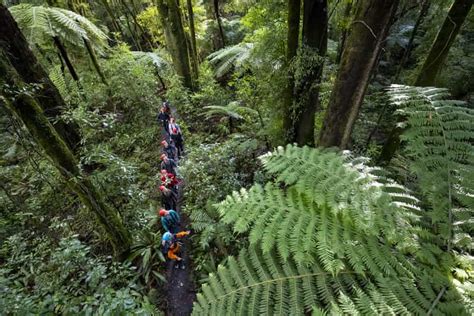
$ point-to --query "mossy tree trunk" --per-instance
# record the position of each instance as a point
(192, 31)
(170, 15)
(443, 42)
(368, 32)
(310, 64)
(294, 11)
(31, 114)
(19, 54)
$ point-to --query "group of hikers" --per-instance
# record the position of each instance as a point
(172, 147)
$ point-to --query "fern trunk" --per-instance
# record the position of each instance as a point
(294, 8)
(27, 109)
(65, 56)
(311, 61)
(368, 32)
(19, 54)
(93, 57)
(443, 42)
(175, 37)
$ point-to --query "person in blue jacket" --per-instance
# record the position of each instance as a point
(170, 220)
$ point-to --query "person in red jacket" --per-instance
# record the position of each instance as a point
(169, 180)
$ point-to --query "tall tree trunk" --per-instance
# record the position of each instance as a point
(294, 11)
(175, 37)
(425, 6)
(368, 32)
(345, 30)
(443, 41)
(219, 23)
(28, 110)
(193, 38)
(62, 50)
(18, 53)
(311, 61)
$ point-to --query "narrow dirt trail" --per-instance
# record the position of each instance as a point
(180, 287)
(180, 290)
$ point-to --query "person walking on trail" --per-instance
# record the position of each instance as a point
(168, 198)
(178, 141)
(169, 180)
(173, 124)
(164, 117)
(172, 246)
(170, 220)
(169, 149)
(168, 164)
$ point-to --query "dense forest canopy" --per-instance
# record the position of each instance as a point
(327, 167)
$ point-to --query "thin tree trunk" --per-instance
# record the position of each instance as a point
(18, 53)
(294, 10)
(425, 6)
(175, 37)
(62, 50)
(93, 57)
(193, 38)
(345, 30)
(219, 23)
(314, 39)
(28, 110)
(443, 42)
(368, 32)
(111, 14)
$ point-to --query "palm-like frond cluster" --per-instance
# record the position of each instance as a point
(231, 56)
(40, 21)
(233, 110)
(338, 237)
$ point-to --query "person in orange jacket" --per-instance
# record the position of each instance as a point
(172, 247)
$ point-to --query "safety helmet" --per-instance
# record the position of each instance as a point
(162, 212)
(167, 236)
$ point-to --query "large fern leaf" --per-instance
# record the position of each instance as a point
(316, 244)
(439, 138)
(257, 283)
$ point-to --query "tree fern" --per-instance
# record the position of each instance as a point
(37, 21)
(337, 238)
(231, 56)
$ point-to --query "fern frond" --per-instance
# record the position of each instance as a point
(439, 146)
(346, 185)
(230, 56)
(36, 21)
